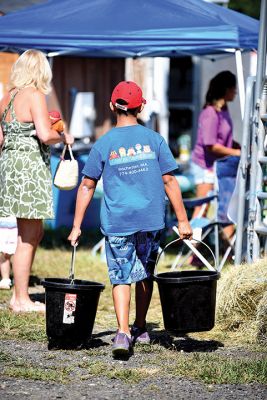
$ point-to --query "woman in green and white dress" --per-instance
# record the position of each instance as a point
(25, 175)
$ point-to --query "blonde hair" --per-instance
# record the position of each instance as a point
(31, 69)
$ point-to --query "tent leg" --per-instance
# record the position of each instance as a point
(240, 80)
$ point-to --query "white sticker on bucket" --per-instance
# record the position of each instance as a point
(69, 308)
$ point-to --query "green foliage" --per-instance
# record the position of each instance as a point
(249, 7)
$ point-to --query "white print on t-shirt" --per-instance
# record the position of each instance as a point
(133, 169)
(138, 148)
(122, 152)
(147, 149)
(133, 153)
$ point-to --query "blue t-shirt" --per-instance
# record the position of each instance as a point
(131, 160)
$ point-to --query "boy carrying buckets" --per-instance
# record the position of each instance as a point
(137, 170)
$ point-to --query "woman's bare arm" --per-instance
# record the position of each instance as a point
(84, 196)
(223, 151)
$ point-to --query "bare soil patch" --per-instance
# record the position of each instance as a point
(76, 375)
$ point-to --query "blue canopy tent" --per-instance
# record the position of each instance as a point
(133, 28)
(118, 28)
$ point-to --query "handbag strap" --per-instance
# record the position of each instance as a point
(67, 146)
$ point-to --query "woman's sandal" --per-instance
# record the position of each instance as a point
(37, 306)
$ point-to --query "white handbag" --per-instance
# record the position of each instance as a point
(67, 172)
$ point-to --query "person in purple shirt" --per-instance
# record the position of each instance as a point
(215, 133)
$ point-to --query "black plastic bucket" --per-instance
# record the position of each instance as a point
(188, 300)
(71, 307)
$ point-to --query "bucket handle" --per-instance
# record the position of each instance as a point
(192, 247)
(72, 265)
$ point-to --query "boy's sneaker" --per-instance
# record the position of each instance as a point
(140, 335)
(122, 344)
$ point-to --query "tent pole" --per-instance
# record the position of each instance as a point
(243, 170)
(257, 141)
(161, 83)
(50, 60)
(240, 80)
(261, 55)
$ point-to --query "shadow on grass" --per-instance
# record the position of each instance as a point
(67, 344)
(189, 345)
(95, 343)
(38, 297)
(104, 333)
(34, 281)
(182, 342)
(124, 357)
(61, 345)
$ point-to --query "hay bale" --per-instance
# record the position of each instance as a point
(261, 320)
(240, 291)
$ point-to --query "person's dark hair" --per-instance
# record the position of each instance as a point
(219, 85)
(132, 111)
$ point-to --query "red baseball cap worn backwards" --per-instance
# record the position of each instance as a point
(130, 92)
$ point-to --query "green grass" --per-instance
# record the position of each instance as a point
(37, 374)
(213, 369)
(126, 375)
(56, 263)
(210, 368)
(4, 357)
(23, 369)
(25, 327)
(204, 367)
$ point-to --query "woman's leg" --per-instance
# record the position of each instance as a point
(5, 266)
(5, 282)
(202, 190)
(30, 233)
(229, 231)
(121, 299)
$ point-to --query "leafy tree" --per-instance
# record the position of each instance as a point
(249, 7)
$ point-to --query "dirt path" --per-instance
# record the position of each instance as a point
(86, 374)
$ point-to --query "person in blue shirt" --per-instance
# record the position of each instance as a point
(136, 166)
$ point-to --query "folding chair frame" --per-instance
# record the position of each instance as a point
(213, 225)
